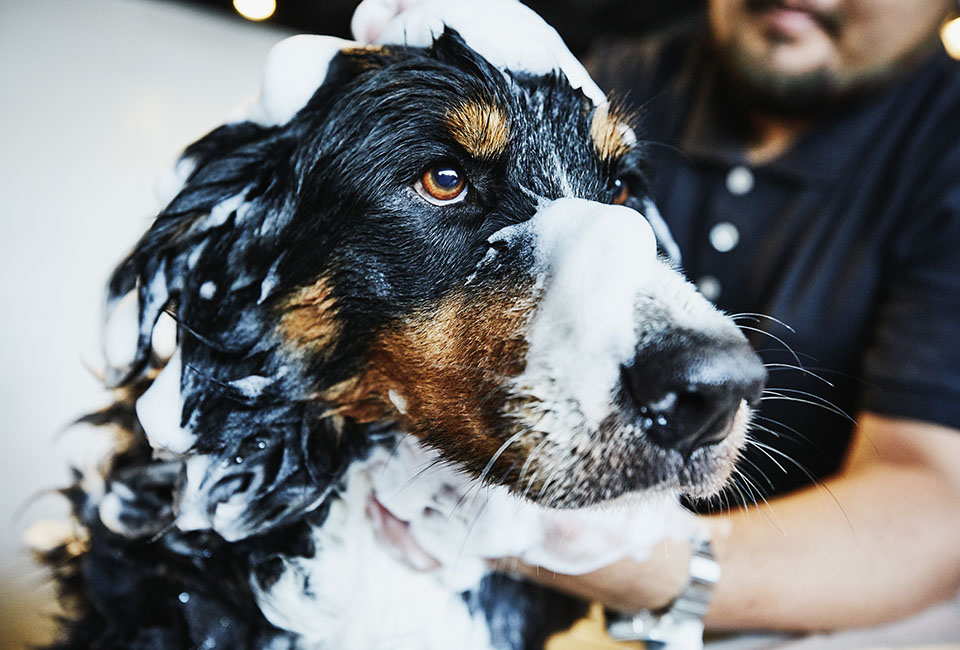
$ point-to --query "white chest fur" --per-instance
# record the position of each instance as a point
(355, 593)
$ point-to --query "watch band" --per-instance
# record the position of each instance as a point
(679, 625)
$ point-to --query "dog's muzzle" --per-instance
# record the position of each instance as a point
(629, 371)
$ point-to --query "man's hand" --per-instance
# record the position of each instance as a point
(886, 525)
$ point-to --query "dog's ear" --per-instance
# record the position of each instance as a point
(211, 255)
(206, 245)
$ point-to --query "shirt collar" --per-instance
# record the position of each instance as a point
(716, 132)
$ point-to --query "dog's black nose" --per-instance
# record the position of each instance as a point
(688, 391)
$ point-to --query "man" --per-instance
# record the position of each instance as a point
(808, 163)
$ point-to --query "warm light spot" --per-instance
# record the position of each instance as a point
(951, 37)
(255, 9)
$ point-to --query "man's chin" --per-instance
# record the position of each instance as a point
(786, 79)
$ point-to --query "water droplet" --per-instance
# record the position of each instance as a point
(647, 423)
(238, 460)
(662, 420)
(184, 597)
(644, 409)
(261, 444)
(224, 622)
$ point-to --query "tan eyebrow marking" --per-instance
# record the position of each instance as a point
(611, 131)
(480, 127)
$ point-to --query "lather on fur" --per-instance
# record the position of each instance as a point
(410, 324)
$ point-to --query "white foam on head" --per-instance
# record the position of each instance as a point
(295, 68)
(596, 258)
(508, 34)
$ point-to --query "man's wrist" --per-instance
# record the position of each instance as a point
(679, 621)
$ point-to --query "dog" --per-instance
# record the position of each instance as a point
(419, 319)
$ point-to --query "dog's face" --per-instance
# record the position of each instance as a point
(433, 242)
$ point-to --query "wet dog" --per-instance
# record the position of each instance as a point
(416, 304)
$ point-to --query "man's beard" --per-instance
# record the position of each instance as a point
(813, 93)
(754, 85)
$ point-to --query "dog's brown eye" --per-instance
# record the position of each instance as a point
(442, 184)
(622, 191)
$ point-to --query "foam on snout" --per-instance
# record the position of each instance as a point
(593, 259)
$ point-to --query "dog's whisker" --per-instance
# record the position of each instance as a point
(772, 367)
(789, 433)
(766, 510)
(771, 395)
(763, 475)
(430, 465)
(530, 458)
(764, 449)
(776, 338)
(810, 477)
(758, 316)
(499, 452)
(813, 396)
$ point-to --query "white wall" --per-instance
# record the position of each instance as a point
(96, 98)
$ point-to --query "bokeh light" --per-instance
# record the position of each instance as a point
(255, 9)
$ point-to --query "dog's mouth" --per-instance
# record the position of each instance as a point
(394, 534)
(441, 519)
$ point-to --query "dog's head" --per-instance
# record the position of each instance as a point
(434, 242)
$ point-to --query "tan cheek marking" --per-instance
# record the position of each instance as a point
(611, 132)
(479, 127)
(309, 318)
(449, 365)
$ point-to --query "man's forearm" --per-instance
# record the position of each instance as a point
(873, 544)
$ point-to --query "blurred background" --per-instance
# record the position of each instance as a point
(97, 97)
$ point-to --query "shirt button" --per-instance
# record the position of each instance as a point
(740, 180)
(709, 287)
(724, 236)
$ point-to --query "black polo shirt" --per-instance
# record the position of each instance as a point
(842, 256)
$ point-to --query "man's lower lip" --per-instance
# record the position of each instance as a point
(790, 22)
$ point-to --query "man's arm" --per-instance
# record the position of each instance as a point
(875, 542)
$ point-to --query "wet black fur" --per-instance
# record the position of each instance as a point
(327, 193)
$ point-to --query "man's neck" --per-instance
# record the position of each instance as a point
(773, 136)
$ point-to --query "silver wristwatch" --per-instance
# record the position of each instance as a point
(679, 625)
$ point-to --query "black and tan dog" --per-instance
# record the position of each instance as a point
(432, 255)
